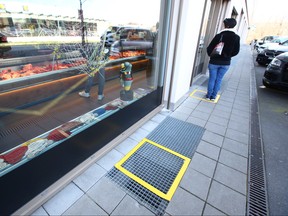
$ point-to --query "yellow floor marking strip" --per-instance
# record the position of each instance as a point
(203, 98)
(171, 191)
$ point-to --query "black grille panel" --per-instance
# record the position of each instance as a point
(257, 196)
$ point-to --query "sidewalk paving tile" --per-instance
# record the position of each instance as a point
(196, 183)
(227, 99)
(227, 200)
(184, 203)
(215, 128)
(235, 147)
(106, 194)
(108, 160)
(85, 206)
(211, 211)
(242, 107)
(238, 126)
(179, 115)
(129, 206)
(213, 138)
(237, 136)
(225, 103)
(149, 126)
(231, 178)
(222, 114)
(190, 104)
(234, 161)
(203, 164)
(241, 113)
(218, 120)
(126, 146)
(239, 119)
(244, 92)
(185, 110)
(229, 94)
(204, 108)
(196, 121)
(223, 108)
(58, 204)
(201, 115)
(40, 212)
(88, 178)
(139, 134)
(208, 150)
(158, 118)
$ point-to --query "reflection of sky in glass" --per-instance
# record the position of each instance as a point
(120, 11)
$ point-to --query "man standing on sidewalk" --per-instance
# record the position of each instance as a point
(219, 63)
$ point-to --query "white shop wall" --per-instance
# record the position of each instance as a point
(186, 25)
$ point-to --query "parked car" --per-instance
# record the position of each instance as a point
(268, 54)
(133, 39)
(3, 38)
(279, 40)
(276, 73)
(112, 34)
(264, 40)
(4, 47)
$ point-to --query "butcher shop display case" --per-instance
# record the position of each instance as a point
(26, 81)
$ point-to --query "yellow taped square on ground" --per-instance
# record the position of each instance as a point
(173, 187)
(201, 95)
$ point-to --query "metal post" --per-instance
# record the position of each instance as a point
(82, 24)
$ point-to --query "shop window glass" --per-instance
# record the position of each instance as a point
(47, 54)
(201, 51)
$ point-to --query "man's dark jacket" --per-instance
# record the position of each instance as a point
(231, 47)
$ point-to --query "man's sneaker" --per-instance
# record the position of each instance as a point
(100, 97)
(212, 98)
(84, 94)
(207, 97)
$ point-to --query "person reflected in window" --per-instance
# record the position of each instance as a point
(132, 35)
(219, 64)
(101, 81)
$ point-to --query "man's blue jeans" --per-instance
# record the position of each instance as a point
(101, 81)
(216, 74)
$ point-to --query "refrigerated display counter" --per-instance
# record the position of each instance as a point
(30, 83)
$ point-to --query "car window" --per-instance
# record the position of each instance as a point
(285, 43)
(276, 41)
(136, 34)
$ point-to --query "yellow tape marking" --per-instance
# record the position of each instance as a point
(171, 191)
(204, 99)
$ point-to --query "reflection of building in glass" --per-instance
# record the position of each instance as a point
(24, 24)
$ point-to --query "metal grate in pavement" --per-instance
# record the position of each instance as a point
(257, 192)
(177, 135)
(154, 167)
(152, 171)
(144, 196)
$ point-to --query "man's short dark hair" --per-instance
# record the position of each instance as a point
(230, 22)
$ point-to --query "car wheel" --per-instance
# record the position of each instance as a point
(261, 63)
(266, 84)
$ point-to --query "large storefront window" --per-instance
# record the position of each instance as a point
(50, 52)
